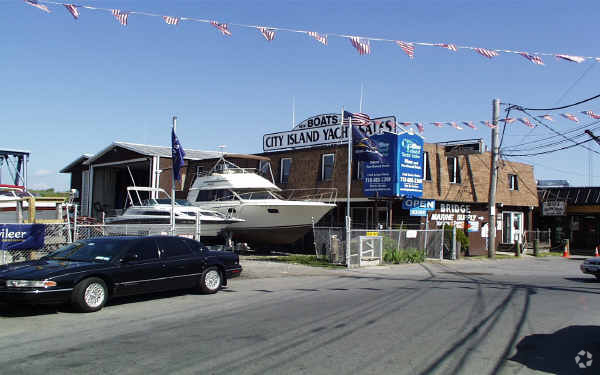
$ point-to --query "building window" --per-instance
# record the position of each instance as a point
(264, 168)
(513, 182)
(454, 170)
(426, 167)
(284, 174)
(327, 162)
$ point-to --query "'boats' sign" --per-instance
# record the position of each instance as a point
(22, 236)
(322, 130)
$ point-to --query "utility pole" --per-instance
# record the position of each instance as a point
(493, 180)
(594, 137)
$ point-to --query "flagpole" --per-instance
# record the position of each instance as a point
(349, 181)
(173, 184)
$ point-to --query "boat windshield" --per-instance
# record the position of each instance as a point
(178, 202)
(260, 194)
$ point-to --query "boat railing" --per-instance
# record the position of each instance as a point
(326, 195)
(226, 171)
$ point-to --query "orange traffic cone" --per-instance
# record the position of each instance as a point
(566, 252)
(596, 252)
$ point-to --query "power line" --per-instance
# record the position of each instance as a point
(579, 128)
(555, 108)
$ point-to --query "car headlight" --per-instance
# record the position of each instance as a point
(30, 283)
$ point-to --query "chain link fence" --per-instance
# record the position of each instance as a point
(58, 235)
(365, 245)
(543, 237)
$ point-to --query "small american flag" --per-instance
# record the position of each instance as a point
(577, 59)
(120, 16)
(455, 125)
(526, 121)
(320, 38)
(405, 123)
(486, 52)
(591, 114)
(489, 124)
(73, 10)
(438, 124)
(451, 47)
(470, 124)
(409, 48)
(222, 27)
(507, 120)
(34, 3)
(420, 127)
(360, 119)
(570, 117)
(171, 20)
(362, 46)
(546, 117)
(269, 34)
(533, 58)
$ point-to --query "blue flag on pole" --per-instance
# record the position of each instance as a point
(365, 149)
(177, 154)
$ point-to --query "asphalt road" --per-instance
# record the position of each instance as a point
(468, 317)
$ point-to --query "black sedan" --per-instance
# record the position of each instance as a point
(86, 273)
(591, 266)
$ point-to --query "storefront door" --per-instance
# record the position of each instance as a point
(512, 227)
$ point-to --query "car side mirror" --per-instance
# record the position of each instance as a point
(130, 258)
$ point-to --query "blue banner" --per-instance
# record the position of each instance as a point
(380, 177)
(401, 172)
(410, 164)
(22, 236)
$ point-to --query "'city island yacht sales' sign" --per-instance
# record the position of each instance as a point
(322, 130)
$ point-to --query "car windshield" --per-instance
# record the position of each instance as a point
(88, 251)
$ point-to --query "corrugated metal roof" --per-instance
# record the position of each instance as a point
(75, 162)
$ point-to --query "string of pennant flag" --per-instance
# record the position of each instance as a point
(360, 43)
(459, 125)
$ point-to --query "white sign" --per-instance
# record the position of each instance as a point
(321, 130)
(556, 208)
(411, 234)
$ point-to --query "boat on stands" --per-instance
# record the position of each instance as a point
(141, 213)
(270, 219)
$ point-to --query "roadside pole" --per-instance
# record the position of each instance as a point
(493, 180)
(173, 184)
(349, 181)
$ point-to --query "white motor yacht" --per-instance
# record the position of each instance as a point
(158, 211)
(269, 218)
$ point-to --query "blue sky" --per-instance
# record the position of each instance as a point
(71, 87)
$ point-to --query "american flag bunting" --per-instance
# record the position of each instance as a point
(171, 20)
(405, 123)
(570, 117)
(362, 46)
(120, 16)
(269, 34)
(577, 59)
(533, 58)
(409, 48)
(73, 10)
(591, 114)
(526, 121)
(34, 3)
(546, 117)
(489, 124)
(470, 124)
(451, 47)
(222, 27)
(360, 119)
(420, 127)
(455, 125)
(507, 120)
(318, 37)
(486, 52)
(438, 124)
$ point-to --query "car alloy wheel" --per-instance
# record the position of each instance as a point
(94, 295)
(211, 280)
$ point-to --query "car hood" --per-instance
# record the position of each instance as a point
(595, 261)
(44, 269)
